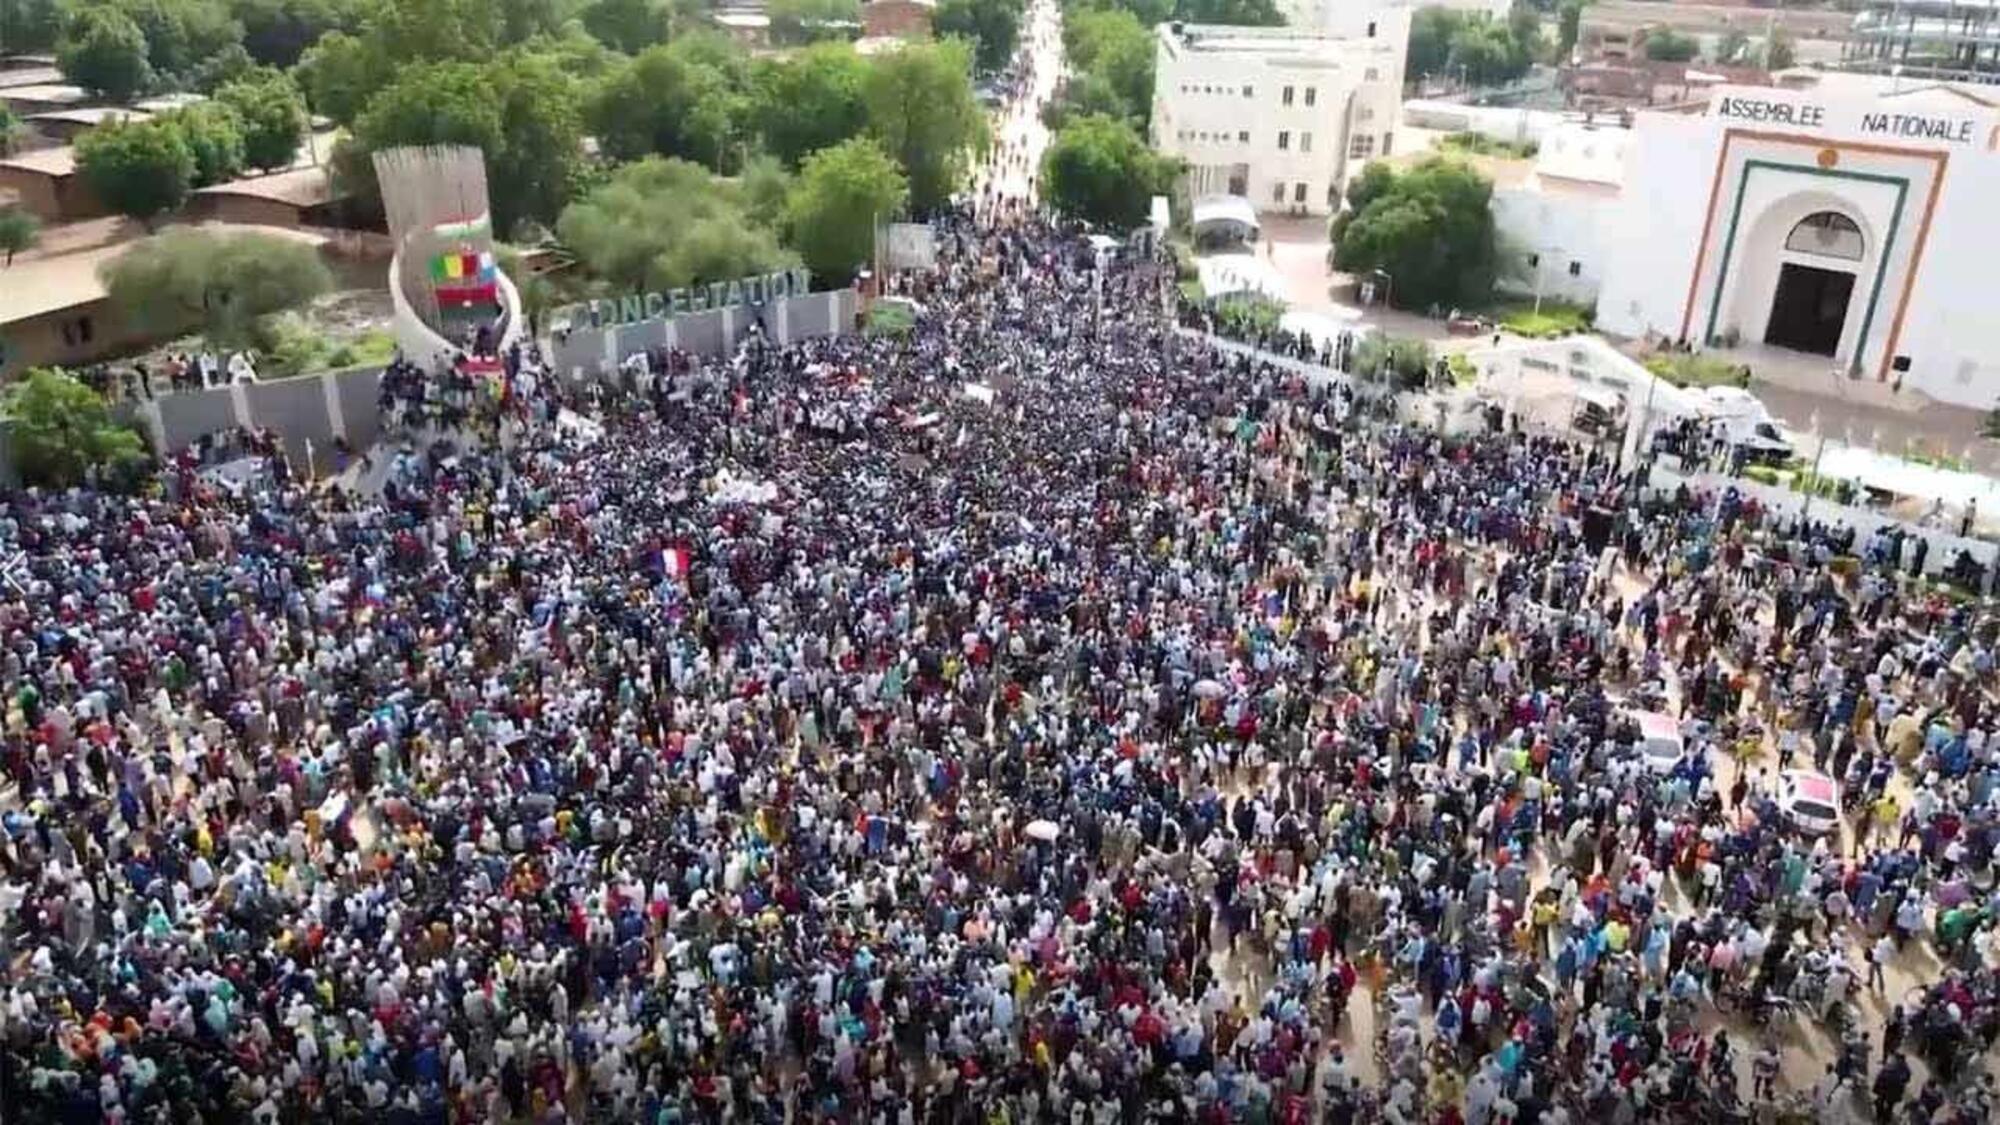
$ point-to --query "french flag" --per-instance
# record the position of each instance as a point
(675, 561)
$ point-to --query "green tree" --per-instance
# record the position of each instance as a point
(1235, 13)
(1100, 170)
(214, 137)
(1408, 363)
(1779, 54)
(277, 32)
(222, 285)
(1113, 47)
(1732, 48)
(181, 35)
(992, 26)
(19, 230)
(841, 194)
(1569, 22)
(1664, 44)
(141, 168)
(30, 25)
(764, 187)
(521, 110)
(104, 52)
(1431, 33)
(60, 431)
(630, 26)
(338, 74)
(686, 99)
(273, 119)
(1081, 96)
(1429, 228)
(13, 131)
(1486, 53)
(663, 223)
(921, 111)
(804, 21)
(809, 100)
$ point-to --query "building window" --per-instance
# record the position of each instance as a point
(1248, 92)
(1305, 142)
(1278, 192)
(1371, 29)
(1312, 94)
(1372, 75)
(1534, 261)
(1365, 113)
(1361, 147)
(1287, 96)
(1828, 234)
(1576, 269)
(1298, 193)
(1387, 138)
(1243, 137)
(1284, 140)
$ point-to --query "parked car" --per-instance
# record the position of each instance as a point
(1810, 800)
(1748, 425)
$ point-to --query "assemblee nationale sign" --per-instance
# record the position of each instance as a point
(631, 309)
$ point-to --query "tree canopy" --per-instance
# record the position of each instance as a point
(104, 51)
(685, 99)
(1110, 49)
(809, 100)
(842, 192)
(1473, 46)
(141, 168)
(220, 284)
(61, 430)
(664, 223)
(807, 21)
(522, 111)
(214, 137)
(1099, 169)
(19, 230)
(993, 27)
(1664, 44)
(920, 110)
(273, 118)
(1429, 228)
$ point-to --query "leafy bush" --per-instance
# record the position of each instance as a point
(891, 318)
(1479, 144)
(1683, 369)
(62, 431)
(1556, 318)
(1247, 315)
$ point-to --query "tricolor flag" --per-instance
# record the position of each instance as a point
(674, 562)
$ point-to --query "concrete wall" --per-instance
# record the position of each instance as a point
(591, 351)
(309, 408)
(1944, 545)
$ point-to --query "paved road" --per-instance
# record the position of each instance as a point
(1019, 137)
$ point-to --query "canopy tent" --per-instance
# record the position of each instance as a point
(1227, 215)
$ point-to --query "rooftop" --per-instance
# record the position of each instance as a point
(300, 187)
(90, 115)
(46, 93)
(63, 273)
(30, 76)
(46, 161)
(1276, 43)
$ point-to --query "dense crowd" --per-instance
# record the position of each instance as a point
(1043, 716)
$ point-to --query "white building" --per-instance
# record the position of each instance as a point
(1552, 224)
(1854, 218)
(1342, 17)
(1276, 114)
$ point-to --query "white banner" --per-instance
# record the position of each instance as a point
(909, 246)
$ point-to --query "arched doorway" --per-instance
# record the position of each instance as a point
(1809, 308)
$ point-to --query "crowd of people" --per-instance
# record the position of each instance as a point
(824, 740)
(1042, 716)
